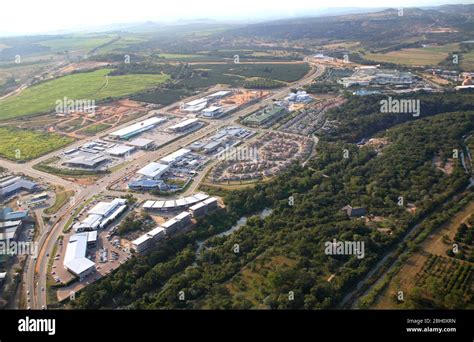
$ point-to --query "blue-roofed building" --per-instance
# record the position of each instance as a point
(11, 185)
(7, 214)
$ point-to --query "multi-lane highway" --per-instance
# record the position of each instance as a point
(36, 270)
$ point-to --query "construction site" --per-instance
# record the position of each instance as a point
(310, 117)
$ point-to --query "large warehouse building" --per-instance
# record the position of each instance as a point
(184, 125)
(101, 215)
(153, 170)
(175, 157)
(139, 127)
(75, 260)
(11, 185)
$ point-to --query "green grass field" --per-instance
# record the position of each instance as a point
(467, 61)
(177, 56)
(93, 129)
(89, 86)
(124, 44)
(29, 144)
(62, 196)
(419, 56)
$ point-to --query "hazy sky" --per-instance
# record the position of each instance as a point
(35, 16)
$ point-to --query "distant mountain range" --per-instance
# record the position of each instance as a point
(446, 23)
(271, 17)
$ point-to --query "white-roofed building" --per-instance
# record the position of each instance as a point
(180, 203)
(145, 241)
(153, 170)
(171, 226)
(184, 219)
(102, 214)
(219, 94)
(212, 112)
(204, 207)
(175, 157)
(201, 196)
(158, 204)
(120, 150)
(75, 260)
(141, 143)
(185, 124)
(198, 209)
(139, 127)
(157, 234)
(211, 202)
(142, 243)
(87, 162)
(195, 105)
(9, 229)
(148, 205)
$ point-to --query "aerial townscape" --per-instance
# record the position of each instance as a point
(306, 161)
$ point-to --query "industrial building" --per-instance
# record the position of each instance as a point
(101, 215)
(213, 112)
(9, 229)
(11, 185)
(153, 170)
(184, 125)
(175, 157)
(139, 127)
(195, 105)
(266, 116)
(75, 260)
(11, 222)
(87, 162)
(212, 146)
(120, 150)
(141, 143)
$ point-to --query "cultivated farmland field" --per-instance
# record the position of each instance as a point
(467, 60)
(76, 43)
(94, 85)
(418, 56)
(30, 144)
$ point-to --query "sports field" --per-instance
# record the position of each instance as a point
(94, 85)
